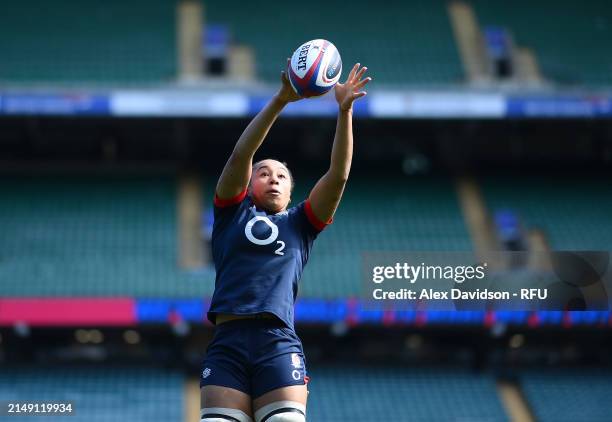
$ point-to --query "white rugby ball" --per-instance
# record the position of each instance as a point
(315, 68)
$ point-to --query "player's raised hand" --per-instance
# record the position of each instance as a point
(350, 90)
(286, 93)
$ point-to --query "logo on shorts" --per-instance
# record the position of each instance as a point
(206, 372)
(295, 360)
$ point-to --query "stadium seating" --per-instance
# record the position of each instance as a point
(573, 212)
(365, 394)
(115, 236)
(106, 394)
(570, 39)
(74, 41)
(92, 236)
(579, 394)
(388, 42)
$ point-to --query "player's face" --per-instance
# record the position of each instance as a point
(271, 186)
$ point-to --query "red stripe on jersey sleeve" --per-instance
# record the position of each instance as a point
(317, 224)
(231, 201)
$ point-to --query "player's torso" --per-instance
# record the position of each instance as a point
(258, 240)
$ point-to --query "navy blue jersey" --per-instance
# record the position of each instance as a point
(259, 257)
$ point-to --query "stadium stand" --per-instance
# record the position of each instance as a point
(117, 236)
(97, 394)
(93, 236)
(411, 60)
(573, 212)
(362, 393)
(578, 394)
(74, 41)
(570, 42)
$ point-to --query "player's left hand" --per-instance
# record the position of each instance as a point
(350, 90)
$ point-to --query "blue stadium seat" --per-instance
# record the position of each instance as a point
(573, 212)
(390, 41)
(93, 236)
(578, 394)
(366, 394)
(72, 41)
(581, 59)
(106, 394)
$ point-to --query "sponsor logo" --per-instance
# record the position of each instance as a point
(260, 216)
(301, 64)
(296, 374)
(206, 372)
(334, 66)
(296, 362)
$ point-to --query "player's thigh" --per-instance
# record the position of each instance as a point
(292, 393)
(218, 396)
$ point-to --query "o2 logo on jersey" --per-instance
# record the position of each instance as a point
(248, 231)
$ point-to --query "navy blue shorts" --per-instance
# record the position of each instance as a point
(254, 356)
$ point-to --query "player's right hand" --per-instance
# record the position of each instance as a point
(286, 93)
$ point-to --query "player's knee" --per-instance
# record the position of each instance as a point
(281, 411)
(223, 414)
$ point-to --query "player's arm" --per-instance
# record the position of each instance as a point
(237, 171)
(325, 196)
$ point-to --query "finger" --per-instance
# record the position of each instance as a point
(359, 94)
(362, 83)
(360, 73)
(352, 73)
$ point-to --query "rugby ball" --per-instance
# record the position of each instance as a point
(315, 68)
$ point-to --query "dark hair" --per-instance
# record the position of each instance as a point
(259, 163)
